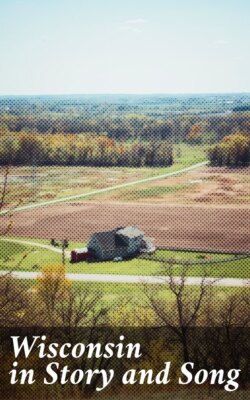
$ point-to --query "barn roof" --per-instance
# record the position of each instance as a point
(130, 232)
(109, 240)
(114, 239)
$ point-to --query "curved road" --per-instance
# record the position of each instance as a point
(35, 244)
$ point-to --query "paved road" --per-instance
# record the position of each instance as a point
(157, 280)
(230, 282)
(108, 189)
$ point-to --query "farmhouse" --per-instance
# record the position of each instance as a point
(120, 243)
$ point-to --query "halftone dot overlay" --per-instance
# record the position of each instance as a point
(153, 192)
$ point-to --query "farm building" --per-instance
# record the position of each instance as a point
(119, 243)
(82, 254)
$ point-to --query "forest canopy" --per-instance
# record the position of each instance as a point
(128, 131)
(82, 149)
(232, 151)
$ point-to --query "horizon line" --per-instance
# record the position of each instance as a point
(127, 94)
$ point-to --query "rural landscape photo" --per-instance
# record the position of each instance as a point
(125, 195)
(126, 211)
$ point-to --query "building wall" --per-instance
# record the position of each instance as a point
(134, 244)
(94, 246)
(106, 254)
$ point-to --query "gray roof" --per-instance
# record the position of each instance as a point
(108, 240)
(114, 239)
(130, 232)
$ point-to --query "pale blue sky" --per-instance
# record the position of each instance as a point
(124, 46)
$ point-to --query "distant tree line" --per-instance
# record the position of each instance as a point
(124, 126)
(121, 138)
(26, 148)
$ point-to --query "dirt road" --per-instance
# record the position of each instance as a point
(201, 228)
(105, 190)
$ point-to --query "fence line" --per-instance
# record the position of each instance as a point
(189, 263)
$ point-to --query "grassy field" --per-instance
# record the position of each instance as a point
(36, 184)
(205, 186)
(132, 301)
(16, 256)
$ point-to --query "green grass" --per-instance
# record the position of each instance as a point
(112, 291)
(28, 258)
(11, 251)
(154, 191)
(188, 156)
(135, 290)
(191, 255)
(232, 269)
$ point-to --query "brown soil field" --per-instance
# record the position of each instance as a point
(200, 227)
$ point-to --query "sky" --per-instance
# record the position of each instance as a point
(124, 46)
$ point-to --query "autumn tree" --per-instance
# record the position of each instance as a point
(232, 151)
(52, 287)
